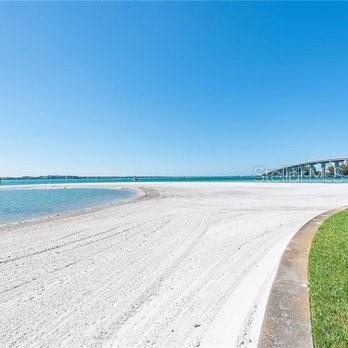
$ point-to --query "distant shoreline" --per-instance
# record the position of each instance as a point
(71, 179)
(78, 177)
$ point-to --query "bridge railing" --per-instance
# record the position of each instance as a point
(333, 167)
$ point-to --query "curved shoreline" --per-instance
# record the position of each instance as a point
(186, 264)
(287, 320)
(140, 194)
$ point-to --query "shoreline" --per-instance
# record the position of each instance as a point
(141, 188)
(185, 264)
(65, 214)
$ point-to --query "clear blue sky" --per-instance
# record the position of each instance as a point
(171, 88)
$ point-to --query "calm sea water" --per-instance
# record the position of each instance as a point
(159, 179)
(127, 179)
(21, 204)
(25, 204)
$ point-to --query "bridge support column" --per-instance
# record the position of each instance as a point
(312, 170)
(337, 168)
(323, 170)
(301, 171)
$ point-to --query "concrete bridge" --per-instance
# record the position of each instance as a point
(311, 169)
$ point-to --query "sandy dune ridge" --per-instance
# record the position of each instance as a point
(190, 264)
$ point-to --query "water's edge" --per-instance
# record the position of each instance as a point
(153, 179)
(26, 205)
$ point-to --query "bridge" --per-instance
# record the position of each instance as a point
(312, 168)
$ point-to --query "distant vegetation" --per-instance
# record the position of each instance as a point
(47, 177)
(344, 169)
(328, 279)
(330, 171)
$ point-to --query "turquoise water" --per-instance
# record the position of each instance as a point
(22, 204)
(126, 179)
(159, 179)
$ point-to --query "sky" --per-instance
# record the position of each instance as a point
(186, 88)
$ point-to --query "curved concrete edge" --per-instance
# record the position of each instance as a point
(287, 321)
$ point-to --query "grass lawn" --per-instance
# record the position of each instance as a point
(328, 279)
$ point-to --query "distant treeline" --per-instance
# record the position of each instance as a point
(330, 170)
(44, 177)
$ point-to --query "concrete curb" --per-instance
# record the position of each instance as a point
(287, 318)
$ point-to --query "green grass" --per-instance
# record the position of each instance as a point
(328, 279)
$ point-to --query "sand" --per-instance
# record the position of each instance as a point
(190, 264)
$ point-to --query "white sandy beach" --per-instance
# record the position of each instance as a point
(191, 264)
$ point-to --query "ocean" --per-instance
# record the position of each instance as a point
(127, 179)
(21, 203)
(24, 204)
